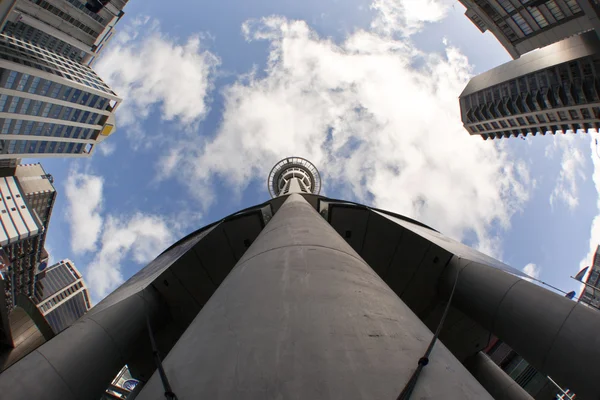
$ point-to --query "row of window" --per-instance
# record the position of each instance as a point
(40, 38)
(19, 105)
(45, 147)
(82, 7)
(10, 55)
(44, 59)
(19, 127)
(579, 80)
(544, 15)
(44, 87)
(66, 17)
(64, 294)
(526, 103)
(536, 119)
(63, 316)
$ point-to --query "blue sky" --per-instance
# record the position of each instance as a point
(216, 92)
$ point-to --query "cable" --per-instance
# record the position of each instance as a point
(169, 395)
(423, 361)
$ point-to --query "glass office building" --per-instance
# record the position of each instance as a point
(525, 25)
(554, 89)
(50, 106)
(61, 295)
(66, 27)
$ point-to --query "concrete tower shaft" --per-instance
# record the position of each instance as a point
(294, 175)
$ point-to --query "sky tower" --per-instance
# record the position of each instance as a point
(309, 297)
(294, 175)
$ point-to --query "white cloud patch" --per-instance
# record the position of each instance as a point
(595, 229)
(147, 68)
(84, 197)
(533, 270)
(377, 127)
(407, 17)
(112, 239)
(571, 171)
(107, 148)
(140, 237)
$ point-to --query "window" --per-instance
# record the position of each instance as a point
(34, 84)
(6, 125)
(22, 82)
(523, 25)
(28, 128)
(11, 79)
(573, 6)
(45, 87)
(506, 5)
(76, 115)
(13, 105)
(46, 110)
(56, 109)
(3, 99)
(66, 93)
(17, 127)
(36, 107)
(539, 18)
(555, 10)
(24, 106)
(55, 89)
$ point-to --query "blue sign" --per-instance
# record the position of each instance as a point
(130, 384)
(42, 266)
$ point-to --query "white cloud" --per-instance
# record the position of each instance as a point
(533, 270)
(107, 148)
(572, 170)
(407, 16)
(114, 239)
(84, 198)
(375, 125)
(595, 229)
(140, 237)
(147, 68)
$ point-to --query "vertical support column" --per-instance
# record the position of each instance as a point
(494, 380)
(302, 316)
(557, 336)
(81, 361)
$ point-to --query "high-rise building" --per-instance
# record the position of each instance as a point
(66, 27)
(525, 25)
(310, 297)
(26, 202)
(524, 374)
(554, 89)
(61, 295)
(591, 291)
(20, 238)
(50, 105)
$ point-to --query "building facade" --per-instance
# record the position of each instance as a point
(66, 27)
(61, 295)
(26, 203)
(525, 25)
(554, 89)
(50, 106)
(590, 295)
